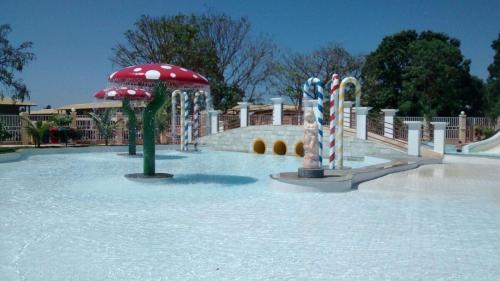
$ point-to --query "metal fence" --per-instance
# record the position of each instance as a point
(376, 124)
(229, 121)
(261, 119)
(89, 133)
(12, 123)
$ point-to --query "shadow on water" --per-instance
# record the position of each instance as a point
(210, 179)
(169, 157)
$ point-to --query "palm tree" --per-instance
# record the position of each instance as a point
(104, 124)
(36, 130)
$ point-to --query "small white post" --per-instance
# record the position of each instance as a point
(243, 114)
(214, 121)
(277, 111)
(347, 114)
(439, 136)
(414, 135)
(361, 124)
(389, 122)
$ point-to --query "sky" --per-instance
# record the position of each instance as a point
(73, 40)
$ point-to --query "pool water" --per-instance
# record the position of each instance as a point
(75, 217)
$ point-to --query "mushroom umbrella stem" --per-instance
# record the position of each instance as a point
(149, 115)
(132, 126)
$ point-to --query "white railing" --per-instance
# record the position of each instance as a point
(12, 123)
(40, 117)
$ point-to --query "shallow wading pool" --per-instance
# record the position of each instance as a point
(73, 216)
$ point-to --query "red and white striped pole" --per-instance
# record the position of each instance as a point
(334, 92)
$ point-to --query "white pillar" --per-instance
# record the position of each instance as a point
(414, 135)
(439, 136)
(361, 124)
(214, 121)
(347, 114)
(389, 122)
(243, 114)
(462, 127)
(277, 111)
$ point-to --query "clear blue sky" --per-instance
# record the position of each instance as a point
(73, 39)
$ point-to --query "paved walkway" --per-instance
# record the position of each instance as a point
(457, 177)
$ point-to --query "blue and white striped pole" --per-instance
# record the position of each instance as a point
(313, 89)
(186, 120)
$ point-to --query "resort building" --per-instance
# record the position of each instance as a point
(9, 106)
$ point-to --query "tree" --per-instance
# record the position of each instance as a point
(12, 60)
(493, 82)
(294, 69)
(245, 63)
(104, 124)
(421, 74)
(217, 46)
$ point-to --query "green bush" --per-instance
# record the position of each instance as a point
(488, 132)
(4, 134)
(61, 120)
(484, 132)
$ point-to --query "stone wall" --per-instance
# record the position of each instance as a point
(243, 139)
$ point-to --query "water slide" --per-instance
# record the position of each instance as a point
(490, 145)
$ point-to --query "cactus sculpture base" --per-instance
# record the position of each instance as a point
(138, 177)
(127, 154)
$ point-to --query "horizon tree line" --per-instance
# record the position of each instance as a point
(421, 74)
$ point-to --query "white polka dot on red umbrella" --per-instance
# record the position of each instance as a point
(152, 74)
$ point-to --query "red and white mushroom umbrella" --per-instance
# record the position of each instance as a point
(148, 74)
(160, 77)
(122, 93)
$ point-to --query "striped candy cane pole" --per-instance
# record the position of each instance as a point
(174, 114)
(340, 136)
(196, 120)
(313, 88)
(319, 117)
(186, 120)
(334, 91)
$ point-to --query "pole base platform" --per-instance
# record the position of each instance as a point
(137, 155)
(311, 173)
(140, 177)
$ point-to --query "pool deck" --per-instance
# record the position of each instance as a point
(458, 177)
(347, 179)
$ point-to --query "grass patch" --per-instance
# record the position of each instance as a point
(7, 150)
